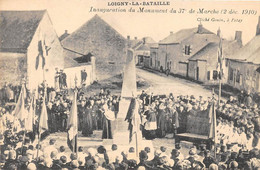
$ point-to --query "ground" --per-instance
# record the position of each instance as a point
(157, 83)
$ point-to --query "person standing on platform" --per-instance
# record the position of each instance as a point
(81, 112)
(57, 80)
(109, 116)
(84, 76)
(87, 126)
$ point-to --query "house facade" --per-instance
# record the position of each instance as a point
(243, 66)
(175, 50)
(202, 66)
(34, 53)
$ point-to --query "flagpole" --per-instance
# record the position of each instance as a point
(214, 123)
(219, 90)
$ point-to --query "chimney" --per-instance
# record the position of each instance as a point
(144, 40)
(135, 38)
(258, 27)
(219, 32)
(66, 31)
(128, 37)
(200, 28)
(238, 36)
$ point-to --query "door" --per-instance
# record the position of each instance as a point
(197, 73)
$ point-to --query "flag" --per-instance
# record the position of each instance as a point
(72, 133)
(131, 118)
(43, 122)
(212, 122)
(20, 111)
(220, 59)
(41, 51)
(30, 118)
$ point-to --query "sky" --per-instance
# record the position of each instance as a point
(71, 14)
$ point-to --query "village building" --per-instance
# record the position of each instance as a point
(97, 38)
(202, 66)
(244, 66)
(142, 51)
(175, 50)
(29, 48)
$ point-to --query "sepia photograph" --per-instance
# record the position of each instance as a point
(129, 85)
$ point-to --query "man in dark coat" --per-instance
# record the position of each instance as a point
(161, 121)
(84, 76)
(87, 127)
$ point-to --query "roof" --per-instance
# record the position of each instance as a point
(69, 59)
(143, 47)
(207, 51)
(175, 38)
(149, 40)
(248, 53)
(11, 24)
(96, 37)
(210, 50)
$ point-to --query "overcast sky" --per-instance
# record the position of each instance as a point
(71, 14)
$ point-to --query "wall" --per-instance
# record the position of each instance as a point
(174, 56)
(249, 78)
(54, 59)
(12, 68)
(76, 72)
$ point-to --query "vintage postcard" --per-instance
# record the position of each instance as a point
(129, 84)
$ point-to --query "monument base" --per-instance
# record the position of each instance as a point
(121, 134)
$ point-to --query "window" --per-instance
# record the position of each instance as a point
(187, 50)
(231, 74)
(111, 62)
(208, 75)
(215, 75)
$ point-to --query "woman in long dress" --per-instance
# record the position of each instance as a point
(87, 127)
(109, 115)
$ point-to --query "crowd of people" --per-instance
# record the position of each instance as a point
(237, 133)
(29, 157)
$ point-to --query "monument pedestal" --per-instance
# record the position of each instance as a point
(121, 132)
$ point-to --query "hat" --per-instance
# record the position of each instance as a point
(80, 149)
(101, 149)
(62, 148)
(177, 146)
(52, 141)
(63, 159)
(143, 155)
(163, 148)
(73, 156)
(24, 159)
(131, 150)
